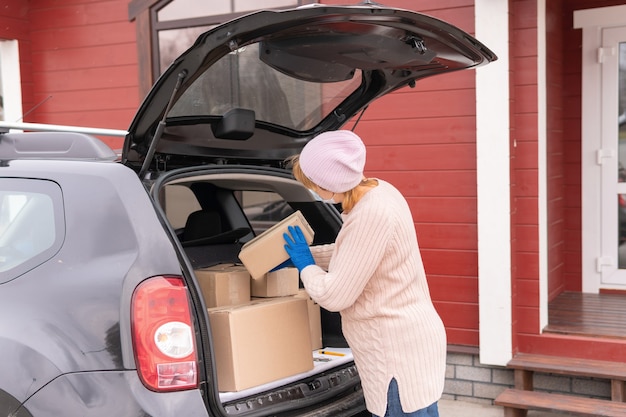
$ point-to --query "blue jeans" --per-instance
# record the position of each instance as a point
(394, 408)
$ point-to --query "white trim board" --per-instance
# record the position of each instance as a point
(493, 182)
(11, 80)
(600, 17)
(542, 161)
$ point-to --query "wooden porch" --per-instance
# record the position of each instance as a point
(577, 314)
(600, 315)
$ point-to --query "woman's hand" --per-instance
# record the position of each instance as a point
(298, 248)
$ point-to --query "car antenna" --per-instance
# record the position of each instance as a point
(161, 126)
(359, 118)
(33, 108)
(5, 129)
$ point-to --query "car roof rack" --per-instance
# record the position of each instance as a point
(54, 145)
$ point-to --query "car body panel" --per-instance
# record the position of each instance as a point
(94, 272)
(114, 393)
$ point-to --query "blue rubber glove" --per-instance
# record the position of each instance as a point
(298, 248)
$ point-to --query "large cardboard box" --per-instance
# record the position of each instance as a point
(267, 250)
(279, 283)
(224, 285)
(262, 341)
(315, 319)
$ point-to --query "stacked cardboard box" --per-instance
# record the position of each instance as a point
(260, 342)
(279, 283)
(267, 250)
(315, 320)
(224, 285)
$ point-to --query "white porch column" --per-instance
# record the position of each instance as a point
(10, 80)
(493, 182)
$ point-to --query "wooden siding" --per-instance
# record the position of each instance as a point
(554, 147)
(84, 64)
(423, 140)
(524, 168)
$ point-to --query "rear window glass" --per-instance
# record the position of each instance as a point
(31, 224)
(242, 80)
(263, 209)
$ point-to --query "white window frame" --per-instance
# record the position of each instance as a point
(595, 263)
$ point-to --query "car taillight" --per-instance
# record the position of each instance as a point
(163, 336)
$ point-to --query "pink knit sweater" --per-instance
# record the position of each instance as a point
(376, 280)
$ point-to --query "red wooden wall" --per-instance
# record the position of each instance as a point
(524, 166)
(556, 22)
(423, 140)
(84, 64)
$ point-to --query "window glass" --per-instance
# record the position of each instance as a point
(621, 137)
(174, 42)
(242, 80)
(263, 209)
(1, 94)
(179, 22)
(31, 223)
(187, 9)
(621, 110)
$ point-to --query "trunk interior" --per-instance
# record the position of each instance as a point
(214, 212)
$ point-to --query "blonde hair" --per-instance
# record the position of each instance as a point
(351, 197)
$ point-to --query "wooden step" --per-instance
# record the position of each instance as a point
(569, 366)
(516, 403)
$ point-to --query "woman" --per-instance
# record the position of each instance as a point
(374, 276)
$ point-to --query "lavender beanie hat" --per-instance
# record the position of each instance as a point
(334, 160)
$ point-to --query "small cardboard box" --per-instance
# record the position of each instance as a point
(259, 342)
(224, 285)
(267, 250)
(279, 283)
(315, 319)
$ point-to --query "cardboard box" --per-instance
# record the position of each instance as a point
(280, 283)
(267, 250)
(262, 341)
(315, 319)
(224, 285)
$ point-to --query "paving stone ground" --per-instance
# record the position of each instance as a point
(451, 408)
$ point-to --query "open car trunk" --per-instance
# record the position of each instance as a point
(211, 139)
(214, 211)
